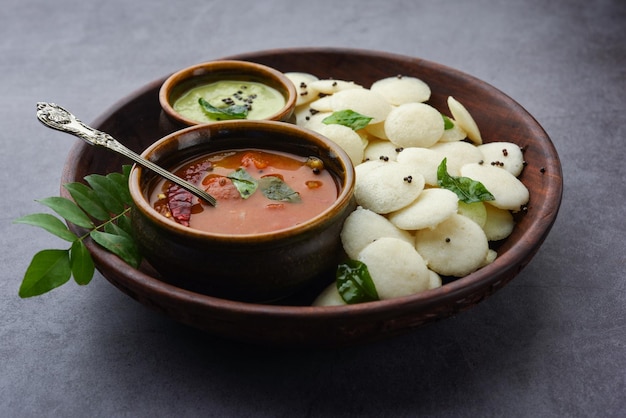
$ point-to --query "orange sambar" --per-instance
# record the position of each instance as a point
(288, 190)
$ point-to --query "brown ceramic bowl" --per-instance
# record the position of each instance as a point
(253, 267)
(179, 83)
(296, 323)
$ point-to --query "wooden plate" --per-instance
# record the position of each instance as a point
(136, 122)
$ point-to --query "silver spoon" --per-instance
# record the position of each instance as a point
(55, 117)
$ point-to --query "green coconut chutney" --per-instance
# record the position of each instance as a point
(260, 99)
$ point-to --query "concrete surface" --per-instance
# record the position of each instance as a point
(550, 344)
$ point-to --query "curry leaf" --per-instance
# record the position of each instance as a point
(68, 210)
(115, 229)
(107, 192)
(119, 182)
(349, 118)
(244, 182)
(274, 188)
(50, 223)
(87, 199)
(468, 190)
(121, 246)
(81, 263)
(220, 113)
(48, 270)
(124, 224)
(354, 283)
(447, 122)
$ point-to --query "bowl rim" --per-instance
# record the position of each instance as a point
(204, 69)
(346, 179)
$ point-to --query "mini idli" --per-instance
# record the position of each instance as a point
(465, 120)
(431, 207)
(455, 247)
(329, 297)
(388, 187)
(363, 101)
(302, 81)
(425, 160)
(347, 139)
(505, 155)
(395, 267)
(499, 223)
(362, 227)
(402, 89)
(508, 192)
(414, 125)
(378, 149)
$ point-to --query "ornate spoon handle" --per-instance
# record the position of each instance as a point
(56, 117)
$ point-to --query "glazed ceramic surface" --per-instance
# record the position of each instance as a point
(254, 266)
(185, 79)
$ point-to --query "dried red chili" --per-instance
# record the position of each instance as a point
(179, 200)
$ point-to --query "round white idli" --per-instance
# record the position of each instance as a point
(425, 160)
(377, 130)
(302, 81)
(329, 297)
(456, 247)
(456, 133)
(347, 139)
(366, 166)
(414, 125)
(431, 207)
(499, 223)
(330, 86)
(491, 257)
(395, 267)
(476, 211)
(465, 120)
(402, 89)
(363, 101)
(380, 149)
(303, 113)
(508, 191)
(434, 280)
(314, 121)
(322, 104)
(362, 227)
(388, 187)
(457, 154)
(505, 155)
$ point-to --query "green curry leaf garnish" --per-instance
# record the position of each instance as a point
(447, 122)
(244, 182)
(354, 283)
(105, 199)
(468, 190)
(274, 188)
(221, 113)
(349, 118)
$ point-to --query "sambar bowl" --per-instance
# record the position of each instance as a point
(259, 266)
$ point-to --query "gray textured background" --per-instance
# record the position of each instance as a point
(552, 343)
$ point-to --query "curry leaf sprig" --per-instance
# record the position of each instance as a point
(101, 207)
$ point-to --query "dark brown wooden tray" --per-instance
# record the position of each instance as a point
(136, 122)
